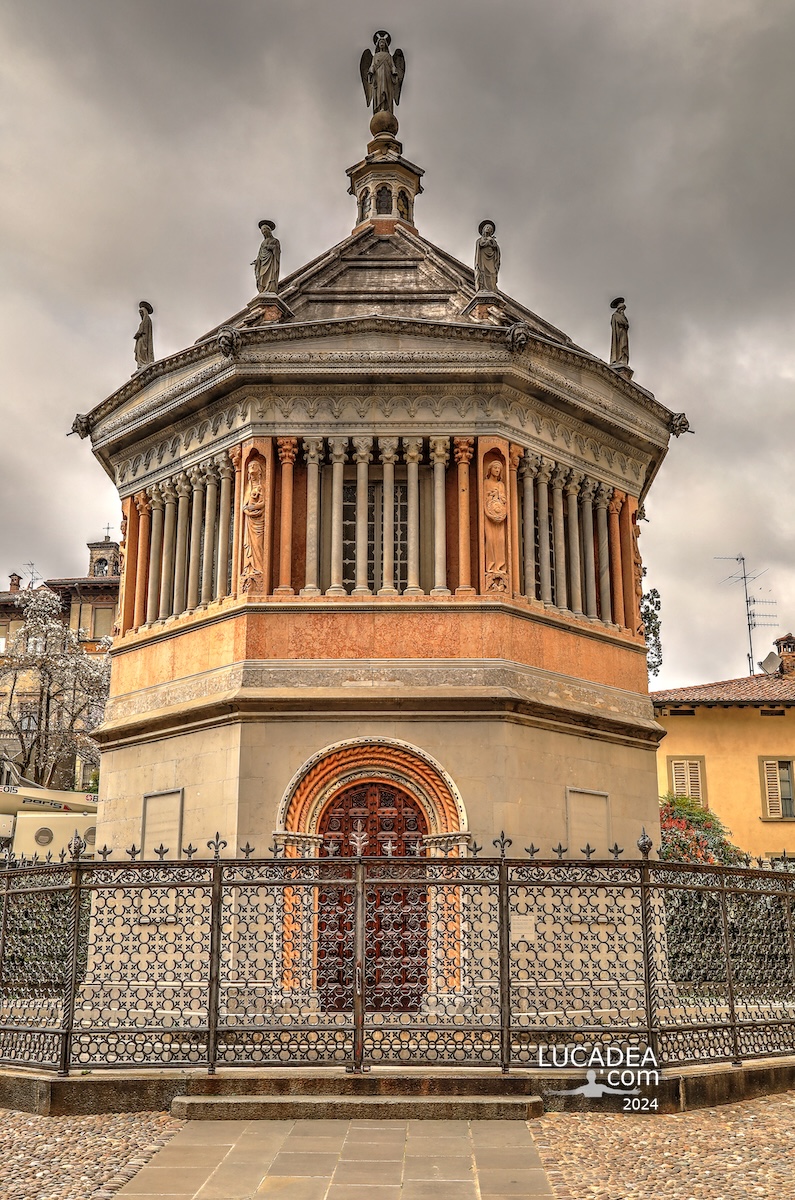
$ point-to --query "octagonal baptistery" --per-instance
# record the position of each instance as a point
(380, 566)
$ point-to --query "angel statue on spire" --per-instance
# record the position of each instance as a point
(382, 74)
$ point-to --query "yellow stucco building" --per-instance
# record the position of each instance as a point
(731, 745)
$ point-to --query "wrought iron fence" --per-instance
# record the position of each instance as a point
(360, 961)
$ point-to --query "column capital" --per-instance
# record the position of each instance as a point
(168, 491)
(196, 476)
(573, 483)
(225, 467)
(235, 456)
(141, 502)
(412, 449)
(362, 449)
(313, 449)
(338, 448)
(560, 474)
(463, 449)
(209, 469)
(603, 494)
(288, 449)
(617, 501)
(388, 449)
(588, 489)
(529, 464)
(182, 484)
(545, 469)
(155, 497)
(515, 453)
(440, 450)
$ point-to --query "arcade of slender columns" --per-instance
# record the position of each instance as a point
(570, 546)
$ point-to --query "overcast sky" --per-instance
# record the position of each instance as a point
(640, 148)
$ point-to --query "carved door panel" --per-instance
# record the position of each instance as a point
(395, 935)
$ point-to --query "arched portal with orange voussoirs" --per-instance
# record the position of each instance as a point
(344, 764)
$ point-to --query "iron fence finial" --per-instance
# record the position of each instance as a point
(645, 844)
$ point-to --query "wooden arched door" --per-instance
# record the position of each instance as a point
(396, 916)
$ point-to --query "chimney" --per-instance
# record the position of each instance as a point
(785, 647)
(15, 581)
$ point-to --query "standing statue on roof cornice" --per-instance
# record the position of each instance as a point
(487, 258)
(266, 264)
(382, 74)
(619, 333)
(144, 343)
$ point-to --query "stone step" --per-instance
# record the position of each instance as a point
(377, 1082)
(417, 1108)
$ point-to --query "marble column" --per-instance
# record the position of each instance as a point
(288, 449)
(196, 476)
(589, 563)
(338, 449)
(603, 494)
(313, 452)
(236, 458)
(543, 476)
(440, 452)
(559, 477)
(210, 503)
(616, 575)
(575, 566)
(527, 471)
(166, 606)
(514, 458)
(181, 554)
(142, 561)
(226, 471)
(463, 449)
(155, 553)
(362, 453)
(412, 452)
(388, 452)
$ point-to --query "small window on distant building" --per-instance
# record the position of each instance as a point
(686, 777)
(403, 206)
(365, 204)
(103, 622)
(383, 200)
(777, 785)
(771, 712)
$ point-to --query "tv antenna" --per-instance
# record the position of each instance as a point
(754, 619)
(34, 575)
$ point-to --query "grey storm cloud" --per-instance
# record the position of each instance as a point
(644, 148)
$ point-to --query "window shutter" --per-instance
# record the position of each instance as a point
(686, 777)
(772, 789)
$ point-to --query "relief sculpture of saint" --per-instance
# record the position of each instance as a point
(253, 572)
(495, 512)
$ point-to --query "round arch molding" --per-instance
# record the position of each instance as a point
(366, 758)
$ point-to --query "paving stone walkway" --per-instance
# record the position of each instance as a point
(345, 1160)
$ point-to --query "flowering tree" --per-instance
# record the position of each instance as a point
(691, 833)
(55, 691)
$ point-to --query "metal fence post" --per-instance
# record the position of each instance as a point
(359, 921)
(505, 968)
(790, 919)
(4, 920)
(214, 983)
(736, 1060)
(70, 983)
(649, 971)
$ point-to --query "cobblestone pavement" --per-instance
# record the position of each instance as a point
(735, 1152)
(76, 1158)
